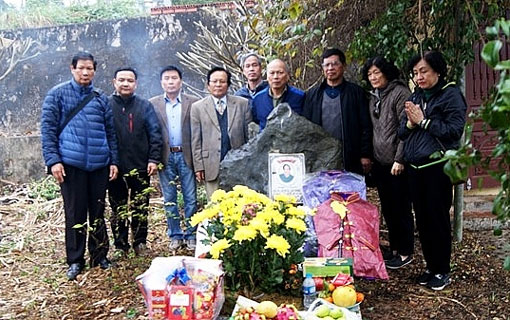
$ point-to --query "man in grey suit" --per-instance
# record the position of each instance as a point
(173, 111)
(219, 123)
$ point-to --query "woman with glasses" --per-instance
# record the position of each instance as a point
(434, 121)
(386, 104)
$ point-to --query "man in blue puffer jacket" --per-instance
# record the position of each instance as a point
(82, 157)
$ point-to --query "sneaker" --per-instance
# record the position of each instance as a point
(439, 281)
(191, 244)
(140, 249)
(397, 262)
(175, 244)
(424, 278)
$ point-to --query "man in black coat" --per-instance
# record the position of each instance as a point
(140, 144)
(341, 108)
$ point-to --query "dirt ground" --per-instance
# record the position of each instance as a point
(33, 284)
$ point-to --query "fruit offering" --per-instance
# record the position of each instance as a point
(269, 309)
(326, 313)
(344, 296)
(287, 312)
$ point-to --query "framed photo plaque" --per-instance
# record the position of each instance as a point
(286, 174)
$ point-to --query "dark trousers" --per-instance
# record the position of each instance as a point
(396, 208)
(84, 192)
(119, 190)
(431, 195)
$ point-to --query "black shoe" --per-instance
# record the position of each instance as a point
(103, 263)
(397, 262)
(424, 278)
(439, 281)
(74, 270)
(387, 254)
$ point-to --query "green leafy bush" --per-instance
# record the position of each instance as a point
(46, 188)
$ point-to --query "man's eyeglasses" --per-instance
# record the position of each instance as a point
(331, 64)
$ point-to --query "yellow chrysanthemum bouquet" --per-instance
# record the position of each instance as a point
(259, 240)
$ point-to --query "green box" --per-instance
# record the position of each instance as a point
(327, 267)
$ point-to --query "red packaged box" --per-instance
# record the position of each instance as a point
(158, 304)
(156, 300)
(180, 302)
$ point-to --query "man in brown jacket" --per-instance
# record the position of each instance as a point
(173, 111)
(219, 123)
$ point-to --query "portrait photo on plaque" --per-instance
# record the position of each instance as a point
(286, 174)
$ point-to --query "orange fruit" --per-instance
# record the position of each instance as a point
(359, 297)
(331, 287)
(329, 299)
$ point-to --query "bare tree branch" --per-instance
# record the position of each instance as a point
(13, 52)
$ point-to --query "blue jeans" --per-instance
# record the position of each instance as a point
(177, 168)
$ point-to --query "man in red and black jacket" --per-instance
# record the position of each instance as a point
(140, 141)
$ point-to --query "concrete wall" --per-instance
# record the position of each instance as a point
(20, 159)
(147, 44)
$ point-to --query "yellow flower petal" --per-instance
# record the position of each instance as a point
(218, 195)
(293, 211)
(244, 233)
(260, 225)
(279, 244)
(296, 224)
(218, 247)
(285, 198)
(278, 218)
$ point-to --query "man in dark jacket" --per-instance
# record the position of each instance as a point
(81, 152)
(278, 91)
(140, 142)
(252, 71)
(341, 108)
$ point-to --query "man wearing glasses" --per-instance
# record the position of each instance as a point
(341, 108)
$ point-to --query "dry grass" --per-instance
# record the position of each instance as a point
(33, 284)
(32, 266)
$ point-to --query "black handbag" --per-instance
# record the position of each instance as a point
(75, 111)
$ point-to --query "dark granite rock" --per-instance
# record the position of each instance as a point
(286, 132)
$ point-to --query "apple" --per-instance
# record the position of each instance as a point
(319, 283)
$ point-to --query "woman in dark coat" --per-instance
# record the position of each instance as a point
(387, 111)
(434, 121)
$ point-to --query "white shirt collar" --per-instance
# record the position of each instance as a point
(224, 99)
(178, 97)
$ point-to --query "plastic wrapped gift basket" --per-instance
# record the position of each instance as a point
(183, 288)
